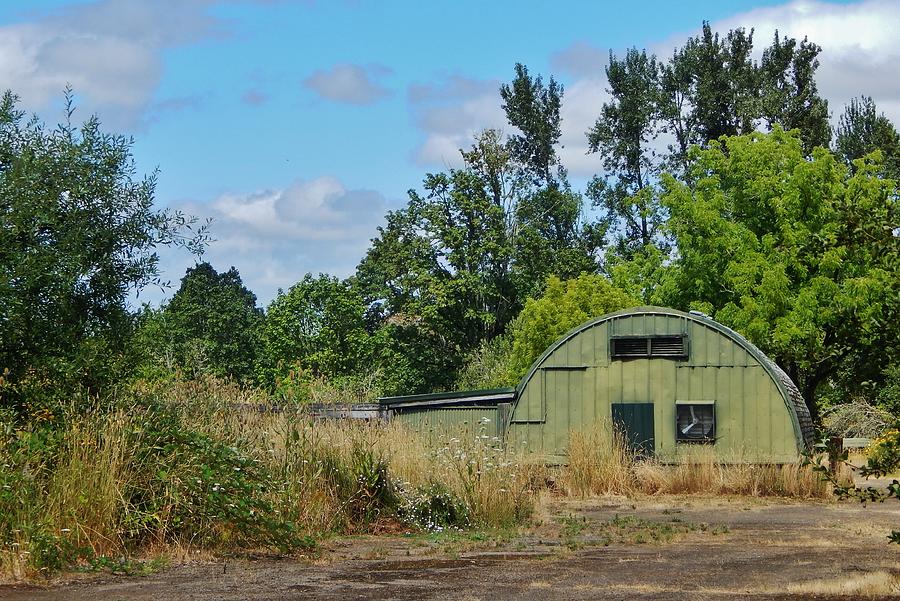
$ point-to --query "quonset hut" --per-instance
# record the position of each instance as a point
(668, 379)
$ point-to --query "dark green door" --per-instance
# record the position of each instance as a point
(635, 420)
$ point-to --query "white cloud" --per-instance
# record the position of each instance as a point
(581, 59)
(110, 51)
(580, 109)
(351, 84)
(449, 113)
(274, 237)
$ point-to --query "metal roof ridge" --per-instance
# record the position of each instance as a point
(448, 395)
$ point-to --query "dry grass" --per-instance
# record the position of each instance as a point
(85, 494)
(90, 491)
(599, 464)
(701, 473)
(602, 464)
(870, 584)
(323, 477)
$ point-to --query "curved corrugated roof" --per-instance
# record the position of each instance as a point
(803, 426)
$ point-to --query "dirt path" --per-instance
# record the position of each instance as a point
(669, 548)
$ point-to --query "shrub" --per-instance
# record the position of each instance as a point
(488, 366)
(434, 508)
(884, 453)
(563, 306)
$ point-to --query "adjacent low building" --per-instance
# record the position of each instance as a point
(670, 380)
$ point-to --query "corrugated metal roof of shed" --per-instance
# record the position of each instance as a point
(460, 397)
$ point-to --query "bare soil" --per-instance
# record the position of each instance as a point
(652, 548)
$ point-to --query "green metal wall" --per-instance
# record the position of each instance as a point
(577, 383)
(434, 423)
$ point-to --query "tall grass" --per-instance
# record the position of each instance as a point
(205, 465)
(600, 463)
(700, 472)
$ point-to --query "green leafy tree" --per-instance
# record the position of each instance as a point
(627, 125)
(488, 366)
(451, 269)
(564, 305)
(78, 235)
(789, 94)
(794, 252)
(317, 328)
(533, 108)
(725, 84)
(441, 269)
(862, 130)
(550, 235)
(211, 325)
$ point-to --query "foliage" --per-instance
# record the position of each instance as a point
(882, 459)
(862, 130)
(111, 481)
(888, 396)
(434, 508)
(794, 252)
(883, 454)
(211, 325)
(440, 270)
(488, 366)
(452, 268)
(564, 305)
(549, 236)
(533, 108)
(199, 489)
(709, 88)
(790, 97)
(628, 123)
(78, 234)
(316, 329)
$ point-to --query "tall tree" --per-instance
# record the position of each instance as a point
(675, 108)
(863, 130)
(551, 238)
(317, 327)
(210, 325)
(78, 234)
(789, 94)
(533, 108)
(793, 251)
(725, 82)
(443, 266)
(627, 125)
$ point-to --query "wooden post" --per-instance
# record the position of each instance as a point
(835, 449)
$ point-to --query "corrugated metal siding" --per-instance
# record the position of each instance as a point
(433, 423)
(753, 421)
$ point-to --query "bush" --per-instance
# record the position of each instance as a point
(884, 453)
(433, 508)
(488, 366)
(563, 306)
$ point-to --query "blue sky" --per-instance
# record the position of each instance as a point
(297, 124)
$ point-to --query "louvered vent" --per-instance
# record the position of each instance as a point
(630, 347)
(667, 346)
